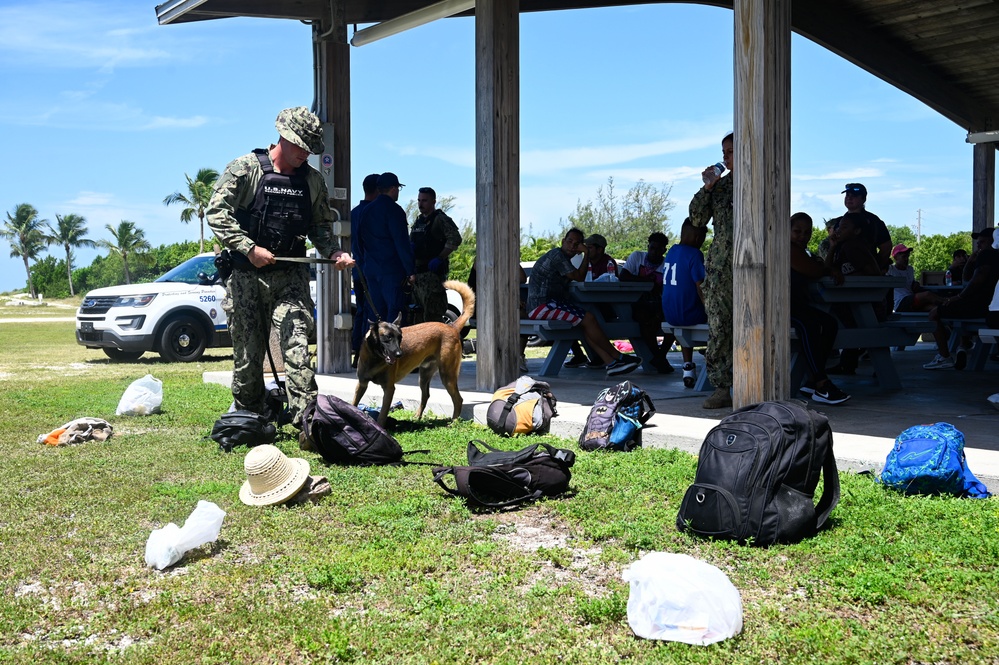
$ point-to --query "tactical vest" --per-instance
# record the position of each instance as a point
(426, 245)
(281, 212)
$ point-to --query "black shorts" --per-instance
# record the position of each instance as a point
(962, 309)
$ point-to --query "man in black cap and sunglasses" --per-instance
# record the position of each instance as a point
(873, 232)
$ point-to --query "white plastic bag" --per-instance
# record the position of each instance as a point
(168, 545)
(142, 397)
(679, 598)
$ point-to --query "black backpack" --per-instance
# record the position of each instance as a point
(501, 479)
(242, 428)
(617, 418)
(512, 413)
(757, 472)
(343, 434)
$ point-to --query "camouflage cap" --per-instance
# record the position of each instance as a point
(301, 127)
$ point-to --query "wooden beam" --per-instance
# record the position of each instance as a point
(834, 27)
(497, 190)
(332, 55)
(762, 201)
(983, 202)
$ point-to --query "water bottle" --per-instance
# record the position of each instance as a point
(719, 169)
(948, 279)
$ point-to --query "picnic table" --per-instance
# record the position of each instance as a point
(861, 294)
(610, 303)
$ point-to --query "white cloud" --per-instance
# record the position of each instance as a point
(79, 34)
(160, 122)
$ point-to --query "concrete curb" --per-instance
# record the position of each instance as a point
(854, 452)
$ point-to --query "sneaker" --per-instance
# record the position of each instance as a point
(961, 358)
(595, 364)
(689, 375)
(626, 363)
(808, 388)
(719, 399)
(831, 395)
(575, 361)
(940, 363)
(523, 365)
(662, 366)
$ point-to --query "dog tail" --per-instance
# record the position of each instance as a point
(467, 301)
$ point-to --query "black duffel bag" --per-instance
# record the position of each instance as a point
(242, 428)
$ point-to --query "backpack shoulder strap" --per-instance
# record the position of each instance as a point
(830, 489)
(499, 482)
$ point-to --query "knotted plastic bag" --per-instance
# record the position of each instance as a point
(168, 545)
(142, 397)
(679, 598)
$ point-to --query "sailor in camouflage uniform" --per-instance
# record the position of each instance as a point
(264, 206)
(714, 201)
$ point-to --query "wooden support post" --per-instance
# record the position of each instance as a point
(983, 206)
(761, 200)
(497, 190)
(332, 58)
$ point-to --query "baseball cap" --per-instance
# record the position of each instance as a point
(986, 231)
(899, 249)
(855, 188)
(301, 127)
(388, 179)
(596, 239)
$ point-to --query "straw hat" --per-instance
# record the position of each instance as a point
(272, 478)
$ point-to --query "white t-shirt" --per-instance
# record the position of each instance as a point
(910, 277)
(639, 267)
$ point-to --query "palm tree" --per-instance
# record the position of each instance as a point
(24, 232)
(128, 239)
(69, 232)
(199, 193)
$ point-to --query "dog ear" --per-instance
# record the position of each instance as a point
(398, 319)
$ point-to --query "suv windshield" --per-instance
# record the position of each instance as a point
(187, 272)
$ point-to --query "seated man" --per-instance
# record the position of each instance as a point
(815, 328)
(648, 311)
(956, 267)
(548, 299)
(971, 303)
(912, 297)
(600, 264)
(683, 300)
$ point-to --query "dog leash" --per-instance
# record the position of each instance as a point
(360, 275)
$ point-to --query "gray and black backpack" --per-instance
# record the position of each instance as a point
(757, 473)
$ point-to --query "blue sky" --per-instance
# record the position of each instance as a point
(103, 112)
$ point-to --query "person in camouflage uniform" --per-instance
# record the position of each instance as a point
(714, 201)
(263, 207)
(434, 236)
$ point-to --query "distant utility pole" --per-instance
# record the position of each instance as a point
(919, 226)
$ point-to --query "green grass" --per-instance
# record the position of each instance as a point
(390, 569)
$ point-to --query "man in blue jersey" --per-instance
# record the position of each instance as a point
(683, 300)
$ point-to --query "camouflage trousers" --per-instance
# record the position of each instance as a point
(430, 295)
(718, 306)
(280, 298)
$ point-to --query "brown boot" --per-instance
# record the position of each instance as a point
(719, 399)
(304, 443)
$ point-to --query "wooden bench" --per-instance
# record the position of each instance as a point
(982, 347)
(691, 337)
(879, 340)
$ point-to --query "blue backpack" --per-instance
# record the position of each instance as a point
(929, 459)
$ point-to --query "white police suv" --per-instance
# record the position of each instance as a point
(178, 316)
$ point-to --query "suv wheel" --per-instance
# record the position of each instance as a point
(120, 356)
(183, 340)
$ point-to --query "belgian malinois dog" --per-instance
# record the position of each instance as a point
(389, 353)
